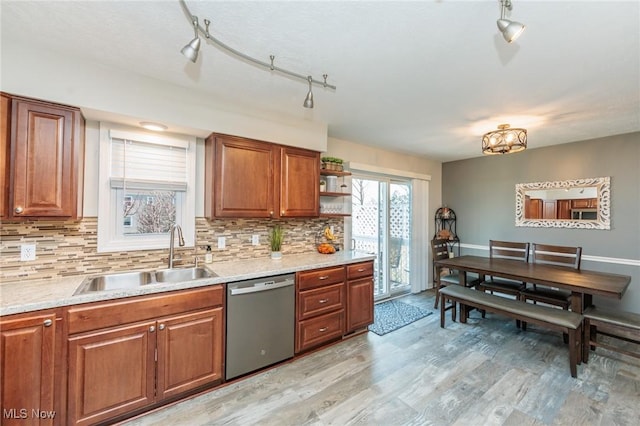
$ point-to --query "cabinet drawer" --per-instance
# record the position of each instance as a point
(320, 277)
(116, 312)
(316, 331)
(320, 301)
(358, 270)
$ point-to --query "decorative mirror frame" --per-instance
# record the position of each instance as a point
(604, 202)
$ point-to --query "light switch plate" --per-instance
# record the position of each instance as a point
(27, 252)
(221, 242)
(255, 239)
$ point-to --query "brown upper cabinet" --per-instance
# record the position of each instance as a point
(5, 137)
(250, 178)
(584, 203)
(46, 161)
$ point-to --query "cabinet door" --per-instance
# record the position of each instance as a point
(190, 349)
(27, 372)
(111, 372)
(549, 209)
(45, 160)
(564, 209)
(299, 183)
(240, 177)
(359, 303)
(5, 137)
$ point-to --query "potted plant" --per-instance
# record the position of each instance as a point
(276, 237)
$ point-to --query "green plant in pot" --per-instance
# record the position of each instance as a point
(276, 236)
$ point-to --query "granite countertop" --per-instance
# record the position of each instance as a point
(26, 296)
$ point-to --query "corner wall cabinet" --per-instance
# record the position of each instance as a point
(30, 369)
(132, 354)
(46, 162)
(334, 203)
(250, 178)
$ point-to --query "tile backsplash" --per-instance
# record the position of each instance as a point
(70, 248)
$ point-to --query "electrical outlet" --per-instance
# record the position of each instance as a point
(255, 240)
(331, 228)
(221, 242)
(27, 252)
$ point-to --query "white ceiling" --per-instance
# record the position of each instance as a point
(427, 78)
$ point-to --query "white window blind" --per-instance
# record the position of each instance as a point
(148, 164)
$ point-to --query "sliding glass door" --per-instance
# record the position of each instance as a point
(381, 225)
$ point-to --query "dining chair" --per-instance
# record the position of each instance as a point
(557, 256)
(439, 251)
(505, 250)
(547, 254)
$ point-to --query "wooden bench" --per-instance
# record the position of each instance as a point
(552, 318)
(617, 324)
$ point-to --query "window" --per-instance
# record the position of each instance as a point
(147, 183)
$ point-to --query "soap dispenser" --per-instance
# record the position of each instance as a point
(208, 257)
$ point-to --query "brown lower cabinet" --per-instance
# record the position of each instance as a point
(30, 348)
(143, 351)
(359, 296)
(332, 302)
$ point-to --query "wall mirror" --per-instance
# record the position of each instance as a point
(579, 204)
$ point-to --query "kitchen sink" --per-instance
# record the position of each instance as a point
(182, 274)
(127, 280)
(115, 282)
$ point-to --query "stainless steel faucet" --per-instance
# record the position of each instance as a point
(180, 242)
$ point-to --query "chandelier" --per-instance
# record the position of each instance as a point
(505, 140)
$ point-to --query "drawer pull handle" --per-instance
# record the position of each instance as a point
(360, 269)
(47, 323)
(324, 277)
(323, 300)
(323, 329)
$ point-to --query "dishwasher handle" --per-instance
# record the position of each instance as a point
(269, 285)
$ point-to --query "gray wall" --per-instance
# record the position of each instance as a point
(482, 193)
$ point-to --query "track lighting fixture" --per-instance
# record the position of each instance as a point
(191, 49)
(505, 140)
(308, 102)
(191, 52)
(510, 30)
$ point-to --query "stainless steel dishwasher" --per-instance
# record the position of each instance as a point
(260, 323)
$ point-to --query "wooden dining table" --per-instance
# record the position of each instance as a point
(583, 284)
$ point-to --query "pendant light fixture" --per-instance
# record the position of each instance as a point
(510, 30)
(191, 52)
(505, 140)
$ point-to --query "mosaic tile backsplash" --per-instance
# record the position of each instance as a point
(70, 248)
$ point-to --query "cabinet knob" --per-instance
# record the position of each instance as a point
(152, 329)
(19, 210)
(282, 213)
(271, 213)
(161, 327)
(47, 323)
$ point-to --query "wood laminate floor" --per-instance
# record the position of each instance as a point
(486, 372)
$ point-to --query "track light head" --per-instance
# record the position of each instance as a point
(308, 101)
(191, 50)
(510, 30)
